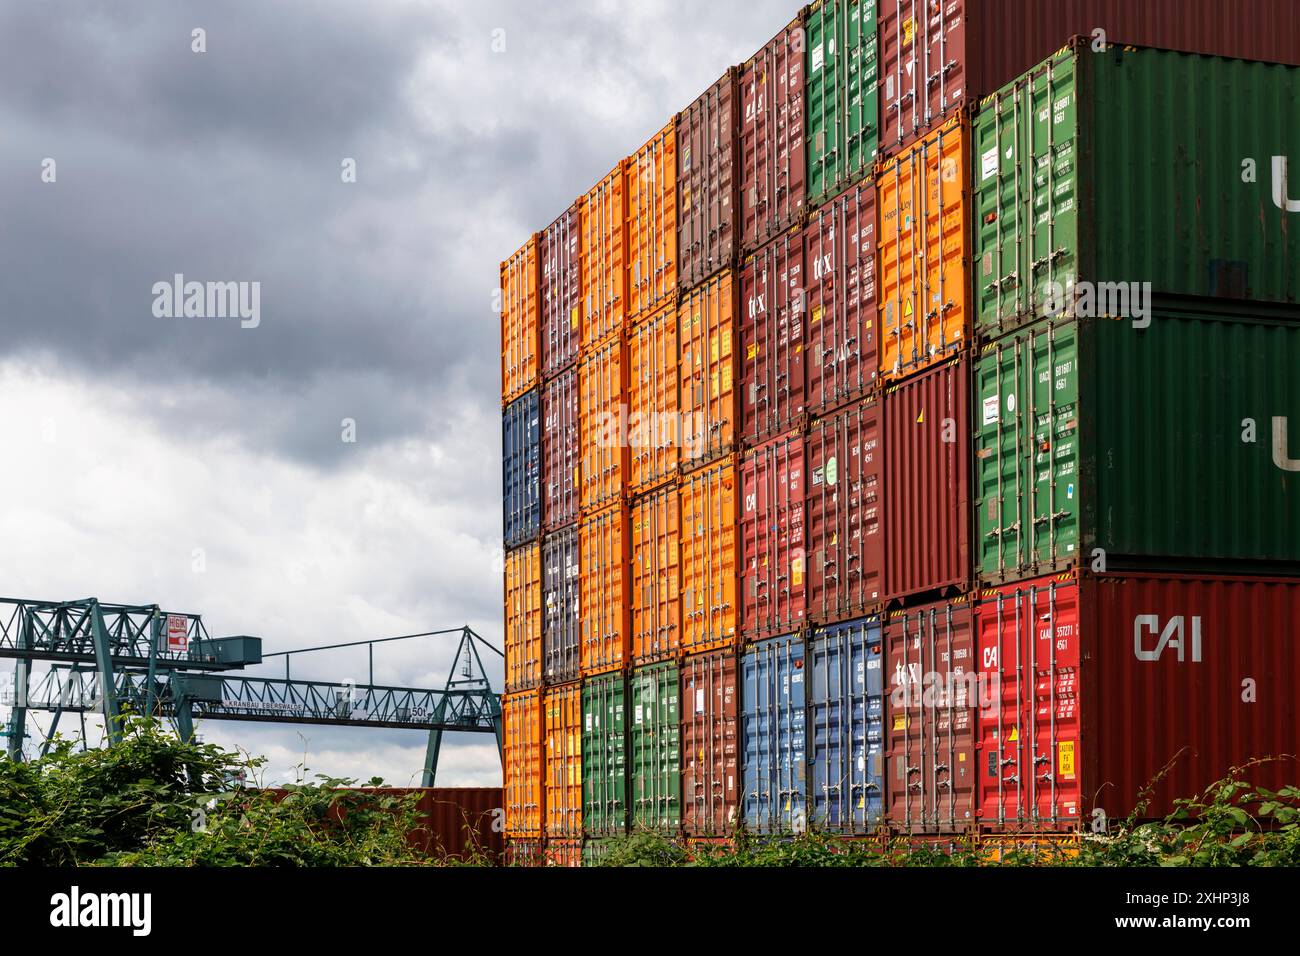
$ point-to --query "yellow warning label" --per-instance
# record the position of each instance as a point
(796, 572)
(907, 308)
(920, 419)
(961, 757)
(751, 350)
(573, 318)
(1065, 758)
(1014, 735)
(726, 379)
(900, 721)
(817, 313)
(909, 30)
(713, 347)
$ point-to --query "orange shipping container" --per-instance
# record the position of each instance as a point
(709, 397)
(654, 412)
(923, 206)
(656, 576)
(709, 566)
(603, 591)
(604, 259)
(521, 751)
(520, 333)
(563, 725)
(602, 420)
(651, 183)
(523, 618)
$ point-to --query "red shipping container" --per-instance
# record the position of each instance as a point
(561, 292)
(840, 253)
(709, 748)
(845, 514)
(930, 717)
(773, 555)
(560, 457)
(772, 157)
(927, 474)
(708, 183)
(772, 338)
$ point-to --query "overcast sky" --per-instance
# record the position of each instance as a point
(129, 440)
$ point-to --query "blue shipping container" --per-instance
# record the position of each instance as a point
(847, 734)
(774, 735)
(522, 469)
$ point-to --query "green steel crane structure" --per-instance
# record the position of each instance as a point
(167, 665)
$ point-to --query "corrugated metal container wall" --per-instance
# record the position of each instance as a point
(602, 385)
(523, 593)
(457, 822)
(708, 182)
(840, 250)
(845, 514)
(709, 558)
(710, 735)
(521, 470)
(655, 738)
(773, 552)
(525, 853)
(924, 251)
(561, 462)
(603, 586)
(561, 292)
(651, 184)
(521, 755)
(520, 337)
(565, 853)
(656, 576)
(843, 108)
(774, 774)
(604, 755)
(772, 383)
(604, 259)
(930, 774)
(563, 729)
(772, 157)
(654, 408)
(846, 708)
(561, 621)
(708, 375)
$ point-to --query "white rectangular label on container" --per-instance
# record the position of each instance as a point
(638, 713)
(990, 410)
(989, 163)
(817, 58)
(699, 701)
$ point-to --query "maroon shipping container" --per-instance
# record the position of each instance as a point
(936, 56)
(845, 514)
(561, 292)
(561, 622)
(840, 254)
(708, 183)
(930, 717)
(772, 338)
(451, 822)
(559, 440)
(709, 746)
(772, 157)
(927, 477)
(773, 552)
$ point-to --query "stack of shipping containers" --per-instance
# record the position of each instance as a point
(833, 495)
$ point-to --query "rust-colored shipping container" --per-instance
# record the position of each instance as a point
(707, 371)
(523, 593)
(773, 555)
(566, 853)
(923, 198)
(710, 744)
(709, 558)
(650, 181)
(520, 335)
(563, 730)
(561, 463)
(772, 325)
(773, 164)
(451, 823)
(522, 756)
(927, 482)
(930, 717)
(525, 853)
(840, 255)
(845, 514)
(708, 183)
(654, 409)
(656, 576)
(561, 292)
(603, 586)
(602, 413)
(936, 57)
(604, 259)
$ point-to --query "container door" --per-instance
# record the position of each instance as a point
(709, 558)
(710, 735)
(842, 97)
(656, 756)
(772, 336)
(604, 755)
(774, 776)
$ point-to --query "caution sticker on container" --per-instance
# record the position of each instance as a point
(1065, 758)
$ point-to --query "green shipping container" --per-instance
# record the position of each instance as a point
(1135, 165)
(841, 98)
(1165, 445)
(656, 748)
(604, 755)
